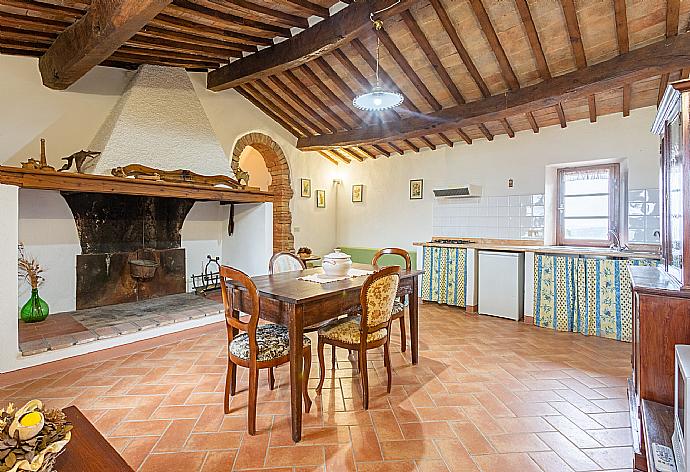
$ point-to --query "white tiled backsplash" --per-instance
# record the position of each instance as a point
(643, 216)
(513, 217)
(522, 217)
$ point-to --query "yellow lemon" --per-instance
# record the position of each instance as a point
(31, 419)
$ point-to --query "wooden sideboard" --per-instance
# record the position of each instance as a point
(661, 316)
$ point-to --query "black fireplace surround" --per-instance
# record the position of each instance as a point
(114, 229)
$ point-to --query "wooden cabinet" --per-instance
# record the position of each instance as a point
(661, 295)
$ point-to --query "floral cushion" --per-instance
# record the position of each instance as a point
(346, 330)
(399, 306)
(380, 298)
(273, 341)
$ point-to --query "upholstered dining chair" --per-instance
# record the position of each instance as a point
(400, 303)
(369, 330)
(258, 346)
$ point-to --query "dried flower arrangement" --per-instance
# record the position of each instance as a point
(29, 269)
(32, 437)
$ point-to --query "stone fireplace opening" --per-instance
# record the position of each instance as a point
(120, 235)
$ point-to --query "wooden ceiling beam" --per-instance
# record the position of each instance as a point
(320, 39)
(621, 16)
(533, 38)
(348, 154)
(663, 83)
(326, 156)
(182, 24)
(364, 152)
(407, 69)
(163, 33)
(485, 131)
(94, 38)
(672, 17)
(168, 45)
(396, 148)
(226, 20)
(298, 85)
(508, 129)
(495, 44)
(648, 61)
(561, 115)
(626, 100)
(281, 103)
(446, 139)
(464, 136)
(308, 7)
(431, 56)
(275, 111)
(592, 102)
(276, 15)
(532, 122)
(302, 104)
(381, 150)
(311, 75)
(337, 155)
(427, 143)
(574, 32)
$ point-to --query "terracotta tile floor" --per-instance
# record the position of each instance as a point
(487, 395)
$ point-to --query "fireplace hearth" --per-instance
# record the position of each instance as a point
(118, 230)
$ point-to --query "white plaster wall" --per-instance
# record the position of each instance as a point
(252, 162)
(202, 235)
(393, 219)
(9, 238)
(49, 234)
(251, 245)
(67, 119)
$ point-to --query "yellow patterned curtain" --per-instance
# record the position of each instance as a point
(585, 295)
(445, 275)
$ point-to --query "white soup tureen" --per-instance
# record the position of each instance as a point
(337, 264)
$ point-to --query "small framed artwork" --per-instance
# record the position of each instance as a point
(357, 193)
(320, 199)
(416, 189)
(306, 188)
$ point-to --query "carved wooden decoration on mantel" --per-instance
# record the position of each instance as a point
(178, 176)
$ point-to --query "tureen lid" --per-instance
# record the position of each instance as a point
(337, 254)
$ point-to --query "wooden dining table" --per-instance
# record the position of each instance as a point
(295, 303)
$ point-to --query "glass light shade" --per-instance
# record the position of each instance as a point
(377, 100)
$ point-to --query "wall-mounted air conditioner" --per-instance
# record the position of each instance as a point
(463, 191)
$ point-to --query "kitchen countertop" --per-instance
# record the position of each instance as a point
(568, 250)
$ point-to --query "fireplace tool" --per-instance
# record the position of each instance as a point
(210, 278)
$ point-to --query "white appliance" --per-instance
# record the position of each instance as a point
(681, 434)
(502, 284)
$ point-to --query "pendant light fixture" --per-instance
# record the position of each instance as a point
(378, 99)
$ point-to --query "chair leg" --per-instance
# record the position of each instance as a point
(307, 371)
(253, 388)
(271, 379)
(333, 361)
(387, 358)
(403, 336)
(365, 378)
(322, 367)
(228, 379)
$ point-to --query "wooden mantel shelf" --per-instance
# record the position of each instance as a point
(72, 182)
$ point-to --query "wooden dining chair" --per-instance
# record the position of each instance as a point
(367, 331)
(258, 346)
(285, 262)
(400, 303)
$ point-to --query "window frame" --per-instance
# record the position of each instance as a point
(614, 206)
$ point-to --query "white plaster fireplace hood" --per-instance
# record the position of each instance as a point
(158, 122)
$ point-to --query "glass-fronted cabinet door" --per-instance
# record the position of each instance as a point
(674, 199)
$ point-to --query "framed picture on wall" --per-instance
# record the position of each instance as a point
(416, 189)
(320, 199)
(306, 188)
(357, 193)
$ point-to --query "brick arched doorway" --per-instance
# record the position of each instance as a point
(277, 165)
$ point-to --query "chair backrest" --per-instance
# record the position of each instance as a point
(234, 301)
(395, 251)
(285, 262)
(377, 298)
